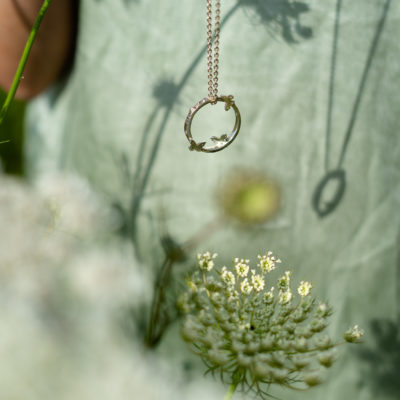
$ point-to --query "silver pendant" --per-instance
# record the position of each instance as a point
(219, 142)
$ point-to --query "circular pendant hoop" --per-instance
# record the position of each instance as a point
(220, 142)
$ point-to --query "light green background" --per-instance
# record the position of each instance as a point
(119, 119)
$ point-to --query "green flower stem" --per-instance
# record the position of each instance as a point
(24, 59)
(231, 390)
(155, 329)
(153, 336)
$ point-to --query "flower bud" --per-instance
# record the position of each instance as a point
(300, 362)
(353, 334)
(323, 310)
(279, 375)
(313, 378)
(243, 360)
(323, 342)
(218, 357)
(318, 325)
(261, 370)
(300, 345)
(267, 343)
(298, 316)
(283, 344)
(206, 319)
(304, 331)
(238, 347)
(307, 303)
(248, 337)
(221, 315)
(290, 327)
(253, 347)
(191, 329)
(327, 358)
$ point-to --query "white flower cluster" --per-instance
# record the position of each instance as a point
(257, 281)
(267, 262)
(228, 277)
(304, 288)
(63, 295)
(242, 267)
(245, 287)
(205, 260)
(252, 334)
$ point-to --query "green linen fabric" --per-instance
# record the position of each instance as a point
(117, 120)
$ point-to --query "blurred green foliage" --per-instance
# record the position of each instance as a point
(11, 130)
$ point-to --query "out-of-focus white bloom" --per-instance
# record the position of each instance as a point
(73, 206)
(108, 279)
(205, 260)
(65, 299)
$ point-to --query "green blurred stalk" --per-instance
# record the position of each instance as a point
(12, 129)
(24, 59)
(231, 390)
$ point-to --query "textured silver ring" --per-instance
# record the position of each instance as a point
(219, 142)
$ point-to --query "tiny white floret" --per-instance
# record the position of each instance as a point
(304, 288)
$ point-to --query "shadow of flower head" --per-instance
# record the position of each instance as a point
(165, 92)
(383, 361)
(281, 17)
(129, 2)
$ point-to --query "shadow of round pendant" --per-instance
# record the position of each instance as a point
(219, 142)
(324, 207)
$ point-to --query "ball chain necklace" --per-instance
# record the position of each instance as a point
(213, 98)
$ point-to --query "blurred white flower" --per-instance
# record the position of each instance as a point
(74, 207)
(205, 260)
(67, 294)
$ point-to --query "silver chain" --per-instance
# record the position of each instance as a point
(213, 72)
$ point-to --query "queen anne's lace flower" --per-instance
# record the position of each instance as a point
(254, 335)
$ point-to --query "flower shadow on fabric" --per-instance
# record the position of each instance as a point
(281, 17)
(383, 361)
